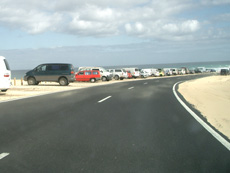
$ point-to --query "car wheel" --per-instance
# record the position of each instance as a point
(116, 77)
(104, 78)
(63, 81)
(92, 80)
(31, 81)
(3, 90)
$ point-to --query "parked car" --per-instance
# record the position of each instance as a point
(224, 72)
(118, 74)
(129, 74)
(191, 71)
(88, 75)
(185, 70)
(135, 72)
(168, 71)
(52, 72)
(5, 74)
(175, 71)
(144, 73)
(155, 72)
(181, 71)
(105, 75)
(161, 72)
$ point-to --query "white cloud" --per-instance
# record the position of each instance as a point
(142, 18)
(190, 26)
(215, 2)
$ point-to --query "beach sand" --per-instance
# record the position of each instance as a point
(211, 96)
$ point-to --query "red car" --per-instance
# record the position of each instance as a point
(88, 75)
(129, 75)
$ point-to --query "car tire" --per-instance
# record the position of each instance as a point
(3, 90)
(31, 81)
(63, 81)
(116, 77)
(104, 78)
(92, 80)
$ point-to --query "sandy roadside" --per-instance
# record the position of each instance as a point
(19, 90)
(211, 96)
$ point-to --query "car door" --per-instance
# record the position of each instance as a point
(40, 73)
(53, 72)
(80, 76)
(87, 76)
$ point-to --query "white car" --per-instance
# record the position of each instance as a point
(5, 74)
(144, 74)
(118, 74)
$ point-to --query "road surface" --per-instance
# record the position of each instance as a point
(136, 127)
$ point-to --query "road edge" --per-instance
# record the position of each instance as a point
(205, 125)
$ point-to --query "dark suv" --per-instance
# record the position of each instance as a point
(224, 72)
(62, 73)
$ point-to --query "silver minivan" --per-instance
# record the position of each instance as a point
(5, 74)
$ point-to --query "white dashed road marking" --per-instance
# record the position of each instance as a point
(130, 88)
(104, 99)
(3, 155)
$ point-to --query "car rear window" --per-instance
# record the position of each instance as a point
(7, 65)
(117, 70)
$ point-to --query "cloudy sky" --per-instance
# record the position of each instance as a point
(113, 32)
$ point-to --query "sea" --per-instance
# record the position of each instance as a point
(216, 65)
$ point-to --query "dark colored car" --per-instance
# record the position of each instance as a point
(224, 72)
(55, 72)
(88, 75)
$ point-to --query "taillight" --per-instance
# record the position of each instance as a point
(6, 75)
(72, 72)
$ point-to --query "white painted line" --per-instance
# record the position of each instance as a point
(104, 99)
(145, 83)
(3, 155)
(130, 88)
(206, 126)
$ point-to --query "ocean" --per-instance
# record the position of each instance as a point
(217, 65)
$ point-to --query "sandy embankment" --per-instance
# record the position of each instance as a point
(211, 96)
(19, 90)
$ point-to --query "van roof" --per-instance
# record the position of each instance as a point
(2, 57)
(55, 64)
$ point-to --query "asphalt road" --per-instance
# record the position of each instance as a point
(140, 127)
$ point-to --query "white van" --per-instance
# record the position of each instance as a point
(135, 72)
(5, 74)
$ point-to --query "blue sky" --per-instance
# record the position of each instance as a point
(108, 32)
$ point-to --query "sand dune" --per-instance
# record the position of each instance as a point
(211, 96)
